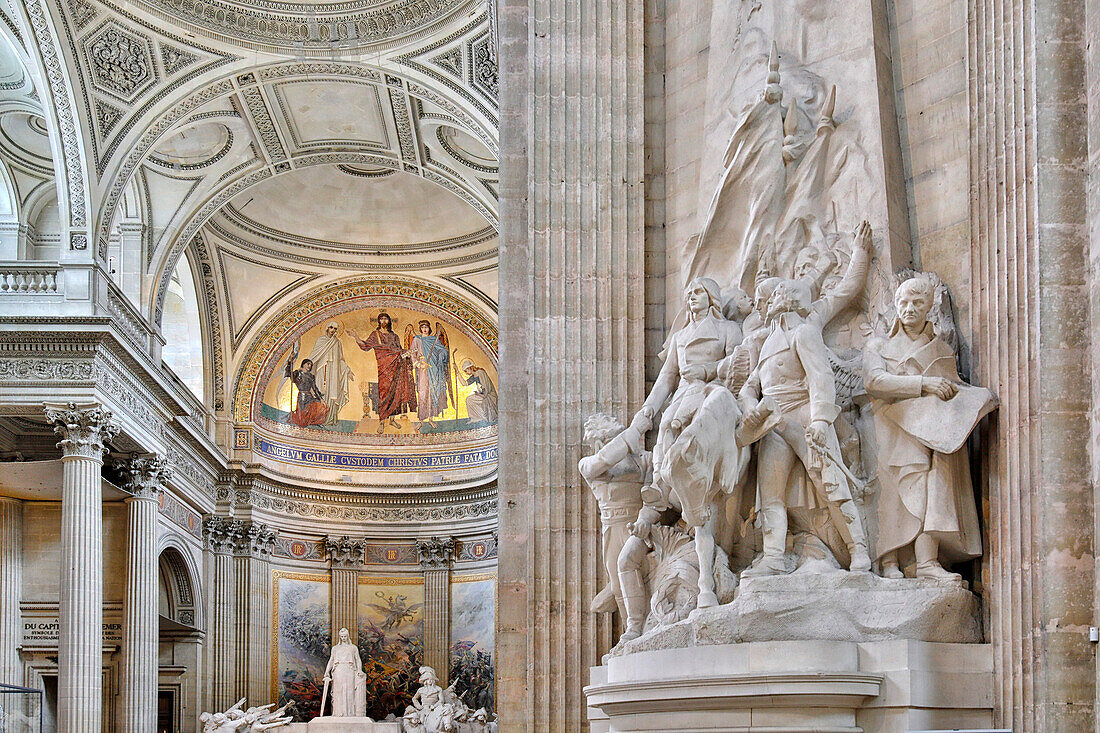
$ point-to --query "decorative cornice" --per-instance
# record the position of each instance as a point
(144, 476)
(345, 552)
(84, 430)
(435, 553)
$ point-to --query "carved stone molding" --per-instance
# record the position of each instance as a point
(144, 476)
(345, 552)
(84, 431)
(241, 537)
(435, 553)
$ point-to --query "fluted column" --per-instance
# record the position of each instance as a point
(572, 330)
(11, 589)
(252, 579)
(345, 555)
(144, 477)
(220, 535)
(435, 556)
(84, 431)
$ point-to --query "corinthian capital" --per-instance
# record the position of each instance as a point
(345, 552)
(145, 476)
(435, 552)
(84, 430)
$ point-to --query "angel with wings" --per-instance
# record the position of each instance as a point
(430, 351)
(396, 611)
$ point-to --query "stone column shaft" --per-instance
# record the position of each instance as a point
(345, 555)
(11, 589)
(80, 606)
(435, 559)
(218, 532)
(572, 329)
(141, 623)
(254, 543)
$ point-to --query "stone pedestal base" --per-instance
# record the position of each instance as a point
(796, 686)
(332, 724)
(830, 606)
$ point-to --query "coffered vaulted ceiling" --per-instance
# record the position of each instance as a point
(277, 145)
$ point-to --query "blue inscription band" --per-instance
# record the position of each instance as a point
(368, 462)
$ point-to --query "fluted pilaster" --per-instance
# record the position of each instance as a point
(11, 589)
(84, 432)
(435, 556)
(345, 555)
(572, 325)
(144, 477)
(219, 535)
(254, 543)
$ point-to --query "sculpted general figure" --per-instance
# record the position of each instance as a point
(923, 415)
(615, 472)
(345, 673)
(799, 464)
(695, 459)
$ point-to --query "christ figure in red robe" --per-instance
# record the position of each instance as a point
(396, 388)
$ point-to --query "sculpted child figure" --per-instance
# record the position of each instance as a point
(923, 415)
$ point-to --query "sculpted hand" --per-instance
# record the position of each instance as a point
(640, 528)
(695, 372)
(816, 432)
(863, 237)
(753, 419)
(642, 422)
(945, 389)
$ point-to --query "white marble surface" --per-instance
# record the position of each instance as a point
(344, 725)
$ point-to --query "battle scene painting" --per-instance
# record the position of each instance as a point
(391, 641)
(303, 636)
(473, 618)
(381, 371)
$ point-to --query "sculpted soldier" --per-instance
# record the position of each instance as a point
(923, 415)
(799, 463)
(615, 472)
(695, 459)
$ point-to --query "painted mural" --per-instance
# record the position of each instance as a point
(382, 370)
(473, 619)
(302, 632)
(391, 641)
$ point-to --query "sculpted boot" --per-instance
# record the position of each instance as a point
(636, 601)
(857, 548)
(927, 550)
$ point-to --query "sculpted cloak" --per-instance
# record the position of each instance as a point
(923, 466)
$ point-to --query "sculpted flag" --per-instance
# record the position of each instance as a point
(745, 210)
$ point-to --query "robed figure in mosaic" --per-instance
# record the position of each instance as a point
(430, 354)
(331, 372)
(311, 408)
(396, 391)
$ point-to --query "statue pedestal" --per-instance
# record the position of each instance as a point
(332, 724)
(830, 651)
(828, 606)
(796, 686)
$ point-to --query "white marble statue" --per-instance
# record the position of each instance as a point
(799, 462)
(237, 719)
(345, 681)
(438, 710)
(616, 472)
(694, 461)
(923, 415)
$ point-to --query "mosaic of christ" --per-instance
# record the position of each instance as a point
(383, 371)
